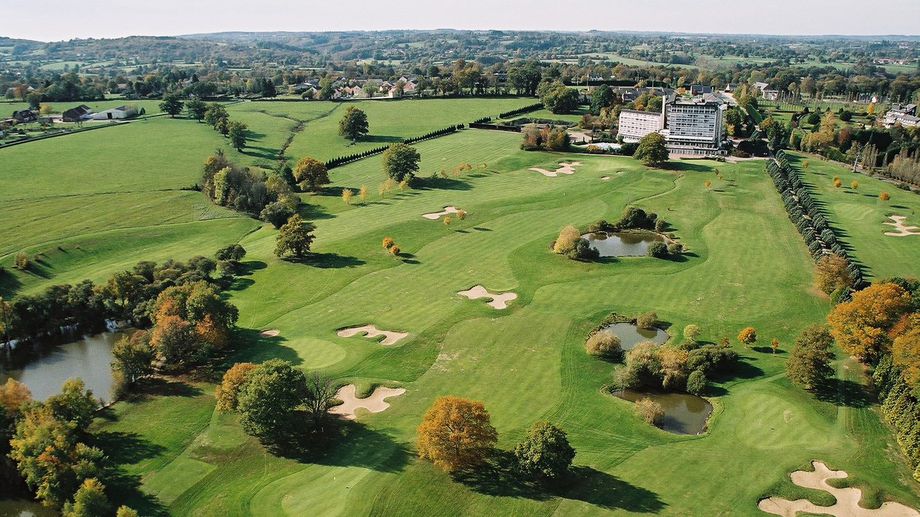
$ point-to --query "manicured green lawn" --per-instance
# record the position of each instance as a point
(746, 266)
(860, 215)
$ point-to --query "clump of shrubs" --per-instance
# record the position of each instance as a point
(649, 410)
(22, 261)
(570, 244)
(548, 138)
(647, 320)
(650, 366)
(605, 345)
(658, 250)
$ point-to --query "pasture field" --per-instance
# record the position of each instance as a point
(122, 201)
(860, 215)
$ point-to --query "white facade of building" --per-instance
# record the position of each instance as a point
(633, 125)
(695, 127)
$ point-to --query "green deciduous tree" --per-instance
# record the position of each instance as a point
(74, 404)
(651, 150)
(545, 453)
(809, 363)
(172, 104)
(89, 501)
(311, 174)
(400, 162)
(196, 109)
(294, 238)
(271, 400)
(353, 124)
(238, 134)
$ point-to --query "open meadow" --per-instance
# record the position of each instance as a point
(95, 203)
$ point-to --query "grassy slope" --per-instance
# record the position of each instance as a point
(860, 215)
(748, 267)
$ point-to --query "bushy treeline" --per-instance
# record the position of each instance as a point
(126, 296)
(806, 215)
(519, 111)
(905, 167)
(900, 408)
(243, 189)
(547, 138)
(342, 160)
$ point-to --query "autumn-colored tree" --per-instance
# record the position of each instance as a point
(89, 501)
(649, 410)
(395, 251)
(854, 184)
(747, 336)
(707, 184)
(347, 194)
(461, 214)
(860, 326)
(806, 164)
(884, 196)
(774, 344)
(838, 183)
(831, 273)
(568, 238)
(604, 344)
(229, 388)
(906, 352)
(388, 242)
(13, 394)
(175, 343)
(673, 368)
(647, 320)
(311, 174)
(692, 333)
(447, 220)
(456, 434)
(362, 194)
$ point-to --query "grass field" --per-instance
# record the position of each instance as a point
(859, 215)
(746, 266)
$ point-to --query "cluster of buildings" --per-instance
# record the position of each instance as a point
(79, 113)
(357, 88)
(904, 115)
(690, 126)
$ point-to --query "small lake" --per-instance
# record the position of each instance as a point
(683, 413)
(623, 244)
(630, 335)
(89, 359)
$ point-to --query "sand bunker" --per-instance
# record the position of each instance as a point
(375, 403)
(902, 229)
(605, 178)
(847, 498)
(498, 300)
(564, 168)
(372, 332)
(270, 333)
(434, 216)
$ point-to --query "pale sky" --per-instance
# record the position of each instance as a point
(55, 20)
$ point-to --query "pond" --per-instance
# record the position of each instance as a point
(683, 413)
(89, 359)
(622, 244)
(630, 335)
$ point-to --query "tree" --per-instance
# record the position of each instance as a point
(649, 410)
(49, 457)
(175, 343)
(906, 353)
(747, 336)
(809, 363)
(601, 97)
(74, 404)
(832, 273)
(238, 134)
(310, 174)
(89, 501)
(295, 238)
(854, 185)
(604, 344)
(133, 356)
(647, 320)
(227, 392)
(196, 109)
(320, 394)
(354, 124)
(691, 333)
(347, 195)
(269, 402)
(216, 116)
(400, 162)
(658, 249)
(276, 213)
(545, 453)
(884, 196)
(696, 382)
(125, 511)
(172, 105)
(568, 238)
(861, 325)
(362, 194)
(651, 150)
(456, 434)
(14, 395)
(774, 345)
(558, 98)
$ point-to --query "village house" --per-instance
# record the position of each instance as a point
(77, 114)
(119, 113)
(24, 116)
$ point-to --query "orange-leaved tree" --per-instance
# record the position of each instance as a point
(748, 336)
(861, 325)
(456, 434)
(230, 386)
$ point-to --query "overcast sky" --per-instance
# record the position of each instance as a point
(54, 20)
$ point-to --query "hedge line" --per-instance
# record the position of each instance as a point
(807, 217)
(525, 109)
(342, 160)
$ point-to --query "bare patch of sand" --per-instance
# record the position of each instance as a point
(372, 332)
(605, 178)
(847, 498)
(375, 403)
(434, 216)
(564, 168)
(902, 229)
(497, 300)
(270, 333)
